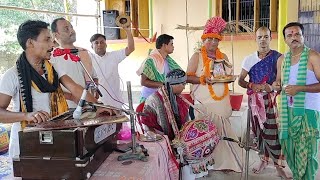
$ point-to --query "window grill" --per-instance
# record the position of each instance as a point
(250, 14)
(309, 16)
(264, 15)
(246, 13)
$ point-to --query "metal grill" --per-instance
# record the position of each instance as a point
(246, 13)
(309, 16)
(225, 10)
(264, 16)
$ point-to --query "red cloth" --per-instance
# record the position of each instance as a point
(152, 119)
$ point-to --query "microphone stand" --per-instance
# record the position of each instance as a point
(247, 146)
(90, 77)
(137, 153)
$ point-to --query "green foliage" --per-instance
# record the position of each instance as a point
(11, 19)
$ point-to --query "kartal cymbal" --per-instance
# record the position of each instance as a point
(123, 21)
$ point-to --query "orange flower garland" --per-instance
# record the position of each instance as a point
(203, 80)
(206, 65)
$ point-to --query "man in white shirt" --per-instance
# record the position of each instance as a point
(65, 35)
(106, 66)
(33, 84)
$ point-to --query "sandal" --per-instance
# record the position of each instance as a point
(258, 169)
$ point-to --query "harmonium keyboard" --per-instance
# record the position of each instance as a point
(66, 148)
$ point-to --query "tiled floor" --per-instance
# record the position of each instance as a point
(268, 174)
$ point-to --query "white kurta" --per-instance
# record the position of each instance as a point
(74, 70)
(106, 68)
(227, 155)
(10, 85)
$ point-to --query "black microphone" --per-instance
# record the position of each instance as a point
(77, 113)
(74, 51)
(61, 52)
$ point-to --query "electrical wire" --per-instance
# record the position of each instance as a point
(93, 56)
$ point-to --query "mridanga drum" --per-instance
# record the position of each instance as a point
(198, 139)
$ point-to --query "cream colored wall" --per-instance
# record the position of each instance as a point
(293, 8)
(167, 14)
(166, 18)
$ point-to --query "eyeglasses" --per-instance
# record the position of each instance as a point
(212, 40)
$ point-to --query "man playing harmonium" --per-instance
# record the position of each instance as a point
(33, 84)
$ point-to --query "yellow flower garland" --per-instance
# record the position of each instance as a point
(206, 65)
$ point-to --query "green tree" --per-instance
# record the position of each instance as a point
(11, 19)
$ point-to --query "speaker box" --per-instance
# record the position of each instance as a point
(109, 21)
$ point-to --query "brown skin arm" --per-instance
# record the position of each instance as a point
(255, 87)
(76, 91)
(314, 65)
(145, 81)
(192, 68)
(11, 117)
(86, 60)
(242, 82)
(130, 46)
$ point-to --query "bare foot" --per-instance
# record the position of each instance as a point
(262, 165)
(282, 174)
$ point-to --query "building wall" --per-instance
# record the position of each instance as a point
(167, 14)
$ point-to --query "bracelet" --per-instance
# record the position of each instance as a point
(202, 80)
(191, 74)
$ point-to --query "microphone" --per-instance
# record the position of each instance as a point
(60, 52)
(77, 113)
(72, 54)
(73, 51)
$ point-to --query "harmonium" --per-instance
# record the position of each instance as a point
(66, 148)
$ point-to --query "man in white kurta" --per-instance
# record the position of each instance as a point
(33, 79)
(106, 65)
(65, 35)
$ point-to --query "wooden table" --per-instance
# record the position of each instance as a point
(155, 168)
